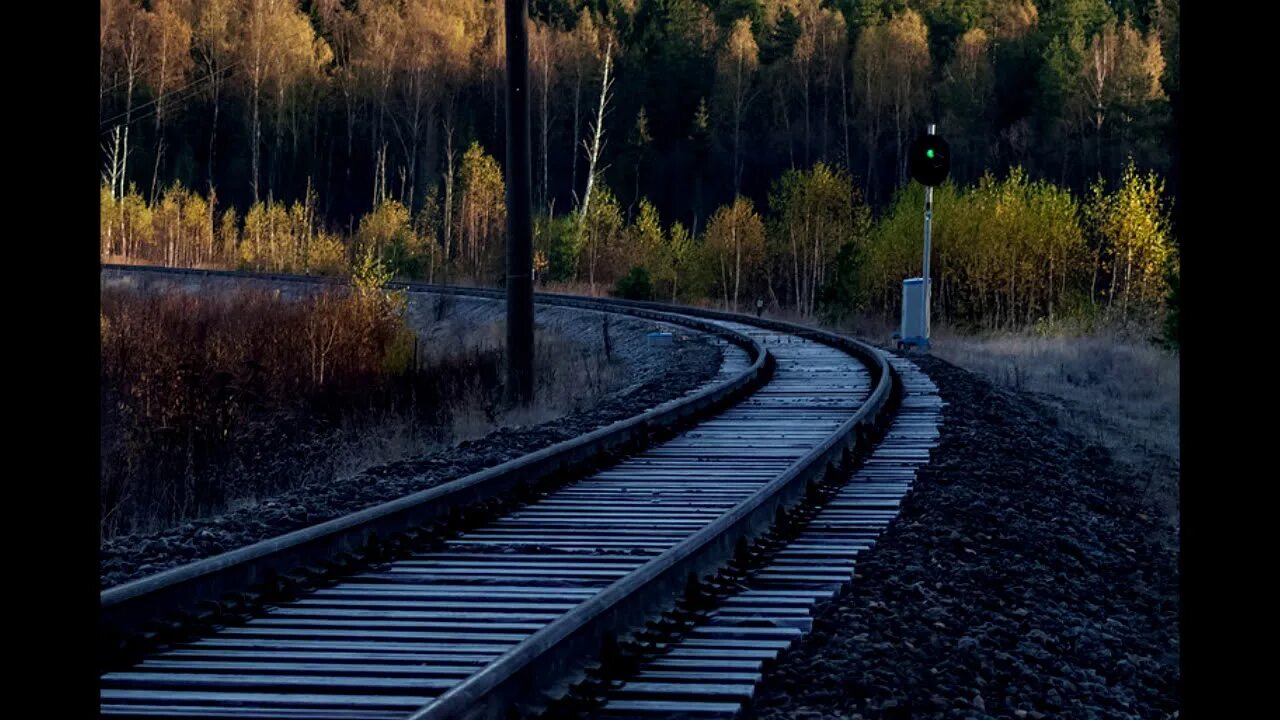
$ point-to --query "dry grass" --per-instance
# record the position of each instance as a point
(569, 287)
(215, 400)
(1116, 390)
(1122, 394)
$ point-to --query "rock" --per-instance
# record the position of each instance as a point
(999, 576)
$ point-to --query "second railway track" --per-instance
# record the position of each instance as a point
(506, 614)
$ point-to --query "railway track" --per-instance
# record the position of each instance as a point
(712, 670)
(428, 609)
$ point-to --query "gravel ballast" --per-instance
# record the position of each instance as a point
(1024, 578)
(652, 376)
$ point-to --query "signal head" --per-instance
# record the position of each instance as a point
(930, 160)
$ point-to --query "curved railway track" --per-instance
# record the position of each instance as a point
(429, 608)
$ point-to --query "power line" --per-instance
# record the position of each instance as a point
(144, 116)
(175, 91)
(108, 124)
(104, 91)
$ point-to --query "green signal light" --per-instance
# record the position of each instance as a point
(929, 153)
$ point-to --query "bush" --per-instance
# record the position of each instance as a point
(843, 294)
(204, 398)
(556, 240)
(212, 399)
(634, 285)
(1172, 331)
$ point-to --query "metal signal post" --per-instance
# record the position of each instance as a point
(519, 208)
(928, 236)
(930, 158)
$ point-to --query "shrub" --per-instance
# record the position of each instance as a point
(843, 294)
(634, 285)
(1172, 330)
(555, 238)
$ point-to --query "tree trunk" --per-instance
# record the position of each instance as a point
(815, 271)
(573, 142)
(133, 64)
(738, 103)
(591, 263)
(1128, 273)
(216, 87)
(737, 265)
(273, 174)
(546, 83)
(844, 121)
(1050, 293)
(349, 101)
(724, 282)
(253, 180)
(795, 267)
(786, 123)
(448, 185)
(1111, 295)
(113, 170)
(124, 153)
(826, 112)
(807, 137)
(160, 94)
(593, 151)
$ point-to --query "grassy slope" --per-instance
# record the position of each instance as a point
(1121, 394)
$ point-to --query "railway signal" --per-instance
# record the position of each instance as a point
(930, 161)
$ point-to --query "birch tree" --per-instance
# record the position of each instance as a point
(871, 60)
(543, 58)
(967, 92)
(1132, 233)
(454, 73)
(213, 47)
(128, 44)
(1122, 71)
(735, 241)
(381, 42)
(596, 144)
(482, 216)
(340, 25)
(170, 52)
(582, 55)
(645, 239)
(831, 51)
(908, 75)
(736, 67)
(679, 252)
(297, 59)
(815, 216)
(277, 47)
(600, 236)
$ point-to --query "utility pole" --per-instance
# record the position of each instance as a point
(519, 208)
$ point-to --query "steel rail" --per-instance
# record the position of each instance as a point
(127, 608)
(542, 666)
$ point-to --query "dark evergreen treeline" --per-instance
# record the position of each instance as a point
(360, 101)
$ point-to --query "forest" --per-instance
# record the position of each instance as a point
(712, 152)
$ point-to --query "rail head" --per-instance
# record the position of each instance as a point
(544, 665)
(540, 666)
(127, 608)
